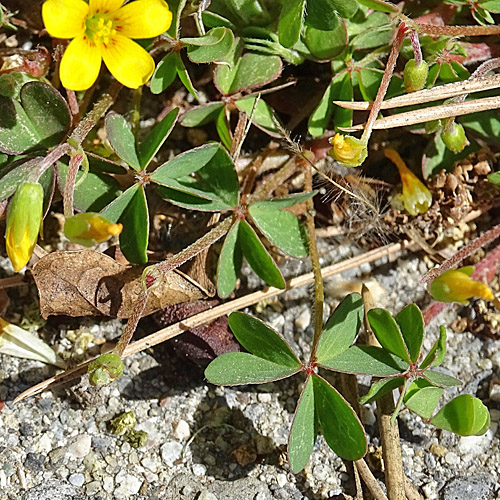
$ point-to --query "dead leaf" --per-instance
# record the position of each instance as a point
(88, 283)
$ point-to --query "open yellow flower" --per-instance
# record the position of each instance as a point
(348, 150)
(416, 197)
(102, 30)
(90, 228)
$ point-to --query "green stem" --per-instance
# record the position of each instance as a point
(135, 114)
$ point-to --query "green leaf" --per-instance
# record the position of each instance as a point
(14, 174)
(222, 126)
(387, 332)
(437, 352)
(190, 201)
(464, 415)
(366, 360)
(290, 23)
(441, 379)
(343, 116)
(281, 228)
(135, 235)
(236, 368)
(411, 324)
(213, 46)
(229, 265)
(263, 115)
(130, 208)
(422, 397)
(122, 139)
(47, 111)
(41, 120)
(302, 433)
(485, 125)
(114, 211)
(321, 117)
(261, 340)
(326, 45)
(491, 6)
(94, 193)
(157, 136)
(176, 7)
(321, 16)
(378, 389)
(288, 201)
(258, 258)
(184, 76)
(165, 73)
(339, 424)
(185, 164)
(341, 328)
(379, 5)
(201, 115)
(494, 178)
(246, 71)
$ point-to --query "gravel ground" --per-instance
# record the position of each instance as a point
(210, 443)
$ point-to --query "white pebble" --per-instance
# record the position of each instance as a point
(182, 431)
(128, 485)
(495, 392)
(44, 444)
(452, 458)
(303, 320)
(367, 416)
(76, 479)
(485, 364)
(264, 398)
(148, 463)
(281, 479)
(199, 470)
(206, 495)
(81, 447)
(108, 484)
(170, 452)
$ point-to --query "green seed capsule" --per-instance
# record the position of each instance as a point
(455, 139)
(415, 76)
(105, 369)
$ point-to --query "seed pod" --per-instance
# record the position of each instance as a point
(455, 139)
(415, 76)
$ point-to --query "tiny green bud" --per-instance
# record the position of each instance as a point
(24, 221)
(122, 424)
(455, 139)
(415, 76)
(105, 369)
(433, 126)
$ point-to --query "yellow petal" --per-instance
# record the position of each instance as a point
(104, 6)
(20, 253)
(80, 64)
(128, 62)
(143, 19)
(64, 18)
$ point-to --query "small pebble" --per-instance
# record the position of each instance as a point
(303, 320)
(128, 485)
(452, 458)
(199, 470)
(170, 452)
(81, 447)
(76, 479)
(206, 495)
(281, 479)
(182, 431)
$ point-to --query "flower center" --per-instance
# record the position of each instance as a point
(99, 28)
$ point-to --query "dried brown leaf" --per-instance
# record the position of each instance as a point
(87, 283)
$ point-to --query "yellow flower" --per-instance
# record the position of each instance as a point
(102, 30)
(24, 221)
(348, 150)
(456, 285)
(416, 197)
(90, 228)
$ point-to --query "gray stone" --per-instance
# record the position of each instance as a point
(53, 490)
(170, 452)
(479, 487)
(34, 462)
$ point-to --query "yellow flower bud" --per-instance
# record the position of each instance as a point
(456, 285)
(24, 222)
(87, 229)
(416, 197)
(348, 150)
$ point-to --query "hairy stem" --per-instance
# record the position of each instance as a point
(319, 296)
(69, 186)
(430, 29)
(386, 79)
(389, 434)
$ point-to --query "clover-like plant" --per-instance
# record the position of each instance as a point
(320, 405)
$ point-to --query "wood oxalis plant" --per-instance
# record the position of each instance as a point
(50, 151)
